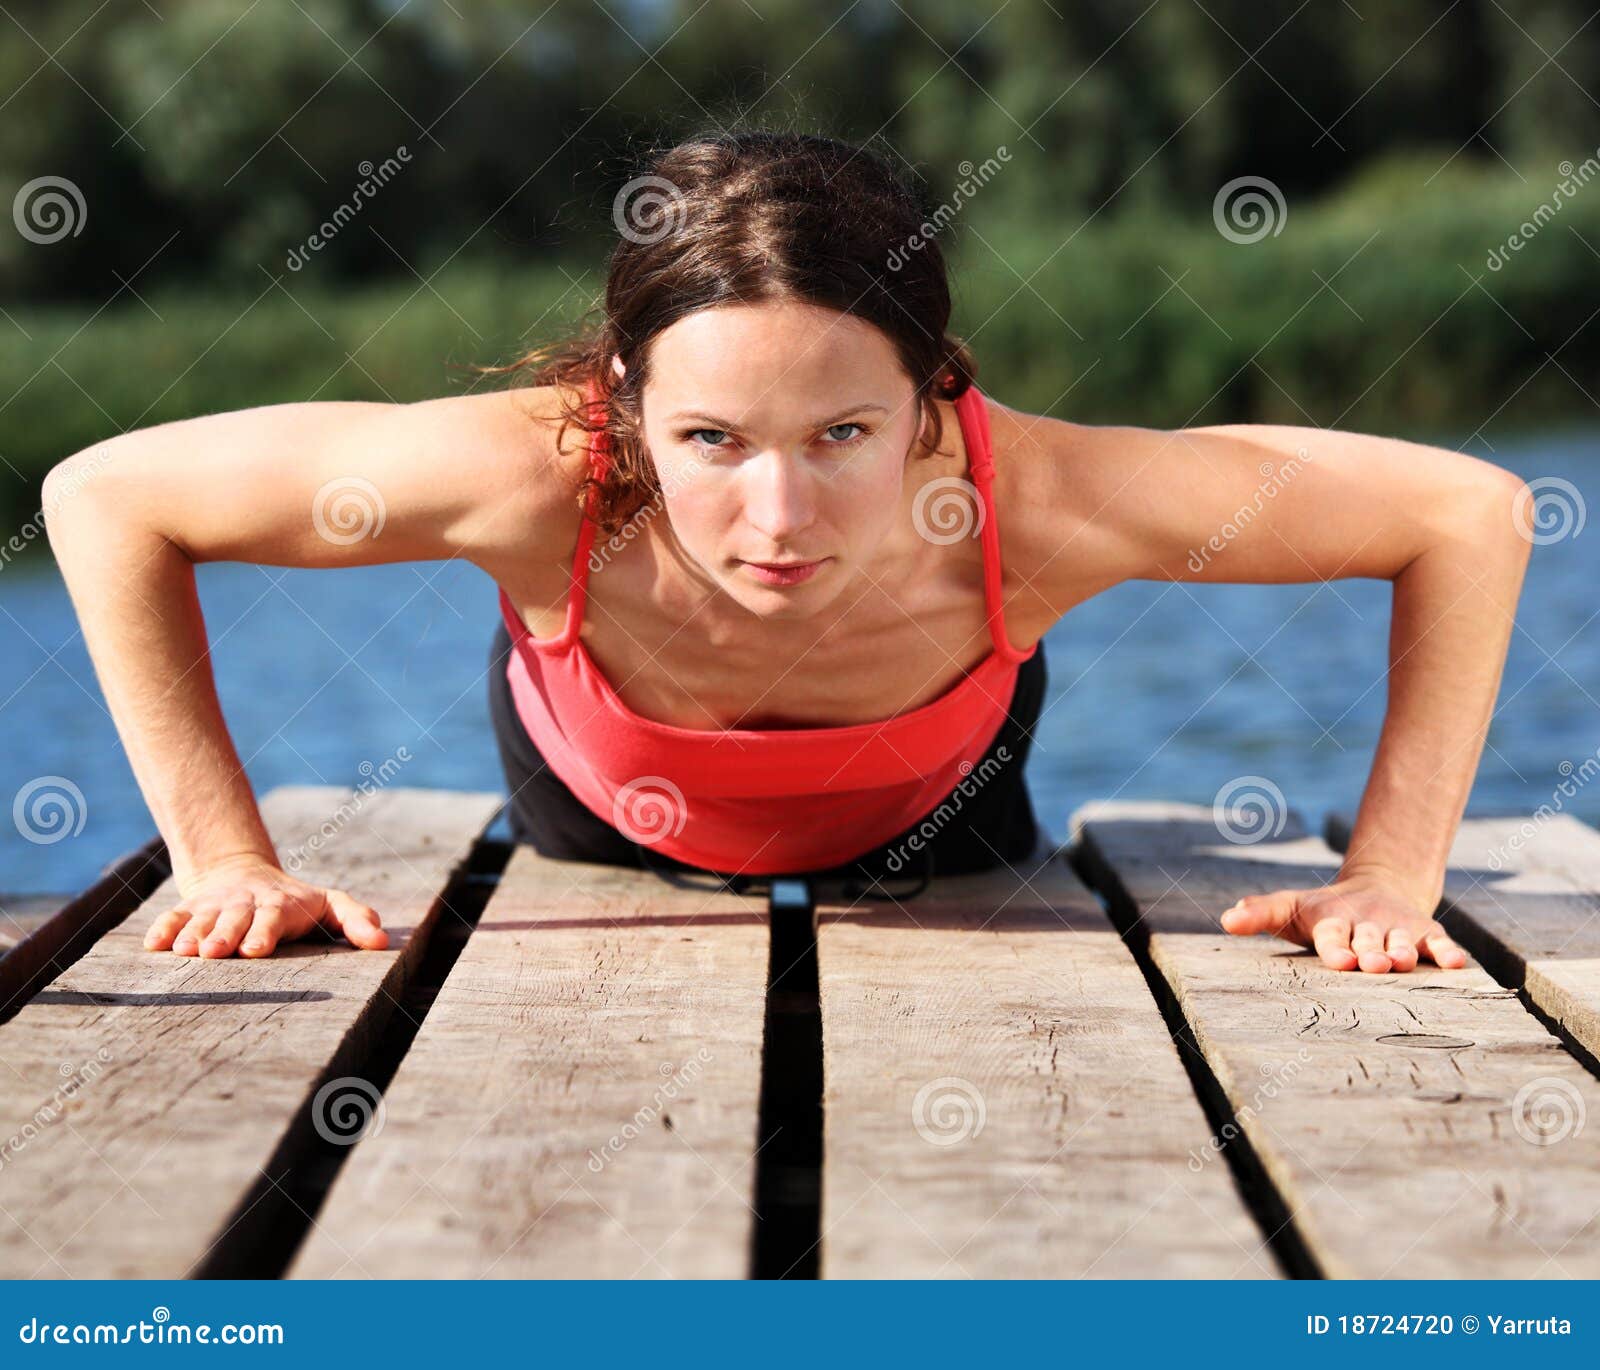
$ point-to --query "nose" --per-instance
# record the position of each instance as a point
(779, 499)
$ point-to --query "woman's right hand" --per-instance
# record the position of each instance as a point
(251, 906)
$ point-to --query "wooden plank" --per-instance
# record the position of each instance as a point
(1523, 895)
(1003, 1098)
(1412, 1139)
(21, 915)
(582, 1098)
(146, 1093)
(54, 942)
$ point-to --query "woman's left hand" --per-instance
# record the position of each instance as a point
(1361, 922)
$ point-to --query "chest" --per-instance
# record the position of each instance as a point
(887, 645)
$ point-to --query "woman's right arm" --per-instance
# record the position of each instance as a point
(334, 483)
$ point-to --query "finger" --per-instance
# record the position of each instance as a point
(358, 922)
(232, 923)
(165, 928)
(266, 928)
(187, 942)
(1367, 943)
(1402, 950)
(1261, 912)
(1331, 938)
(1438, 945)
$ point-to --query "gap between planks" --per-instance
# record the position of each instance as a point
(1395, 1113)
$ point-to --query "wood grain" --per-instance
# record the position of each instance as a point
(582, 1099)
(1524, 897)
(1003, 1098)
(145, 1093)
(1413, 1129)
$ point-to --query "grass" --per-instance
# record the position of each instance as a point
(1373, 309)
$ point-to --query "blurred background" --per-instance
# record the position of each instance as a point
(1373, 217)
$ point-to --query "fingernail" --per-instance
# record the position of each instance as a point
(254, 946)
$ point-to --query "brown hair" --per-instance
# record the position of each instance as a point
(743, 218)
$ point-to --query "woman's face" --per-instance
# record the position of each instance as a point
(779, 434)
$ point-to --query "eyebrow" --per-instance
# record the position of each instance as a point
(726, 426)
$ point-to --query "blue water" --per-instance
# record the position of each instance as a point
(1157, 690)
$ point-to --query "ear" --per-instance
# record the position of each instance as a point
(617, 366)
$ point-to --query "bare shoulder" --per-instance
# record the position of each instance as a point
(525, 471)
(1063, 496)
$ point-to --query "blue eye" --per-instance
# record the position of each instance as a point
(842, 441)
(695, 432)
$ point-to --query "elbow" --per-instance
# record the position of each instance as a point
(1547, 510)
(69, 482)
(72, 491)
(1499, 513)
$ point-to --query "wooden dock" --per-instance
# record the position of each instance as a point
(564, 1070)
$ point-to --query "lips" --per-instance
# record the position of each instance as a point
(784, 572)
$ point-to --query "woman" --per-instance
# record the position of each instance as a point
(798, 629)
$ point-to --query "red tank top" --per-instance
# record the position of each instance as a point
(750, 800)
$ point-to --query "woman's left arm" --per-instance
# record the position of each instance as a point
(1276, 503)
